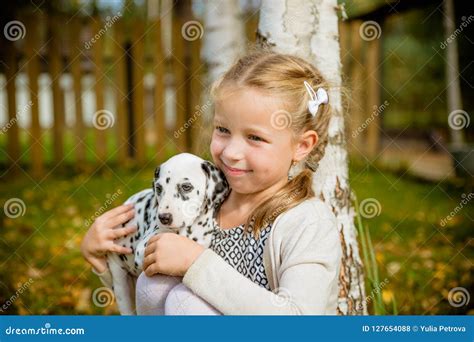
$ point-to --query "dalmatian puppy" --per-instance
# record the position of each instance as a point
(186, 190)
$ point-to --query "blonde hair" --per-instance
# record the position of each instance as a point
(282, 76)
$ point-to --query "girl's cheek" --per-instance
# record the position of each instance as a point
(216, 146)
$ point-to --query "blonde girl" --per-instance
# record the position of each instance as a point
(275, 247)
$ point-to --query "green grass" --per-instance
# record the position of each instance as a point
(418, 260)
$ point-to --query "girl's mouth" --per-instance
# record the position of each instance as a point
(233, 171)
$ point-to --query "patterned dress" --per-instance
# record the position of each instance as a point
(242, 251)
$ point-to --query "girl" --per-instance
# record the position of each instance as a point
(276, 247)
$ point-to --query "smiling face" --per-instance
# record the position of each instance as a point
(248, 143)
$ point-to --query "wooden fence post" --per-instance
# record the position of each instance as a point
(159, 69)
(121, 92)
(373, 99)
(138, 45)
(32, 50)
(75, 57)
(101, 114)
(179, 69)
(55, 69)
(13, 139)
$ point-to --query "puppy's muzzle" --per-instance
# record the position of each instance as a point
(166, 218)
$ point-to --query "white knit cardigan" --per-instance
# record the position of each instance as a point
(301, 257)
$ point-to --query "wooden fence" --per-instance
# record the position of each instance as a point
(57, 45)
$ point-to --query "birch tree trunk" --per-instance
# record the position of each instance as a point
(309, 29)
(223, 44)
(224, 36)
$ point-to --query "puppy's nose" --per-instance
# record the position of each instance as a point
(165, 218)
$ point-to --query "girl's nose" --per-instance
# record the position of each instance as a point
(233, 150)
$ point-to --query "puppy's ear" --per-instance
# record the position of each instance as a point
(155, 178)
(217, 187)
(157, 172)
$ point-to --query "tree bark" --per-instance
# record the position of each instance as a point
(309, 29)
(223, 44)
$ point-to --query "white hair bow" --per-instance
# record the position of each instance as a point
(317, 97)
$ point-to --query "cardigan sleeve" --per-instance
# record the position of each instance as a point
(307, 247)
(105, 277)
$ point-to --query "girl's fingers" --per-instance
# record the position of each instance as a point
(120, 218)
(121, 232)
(120, 249)
(154, 238)
(150, 248)
(118, 210)
(150, 271)
(147, 261)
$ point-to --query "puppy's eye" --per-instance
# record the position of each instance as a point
(187, 187)
(158, 189)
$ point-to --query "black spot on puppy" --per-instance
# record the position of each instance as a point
(157, 172)
(220, 187)
(205, 168)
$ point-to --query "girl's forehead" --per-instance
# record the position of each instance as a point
(247, 105)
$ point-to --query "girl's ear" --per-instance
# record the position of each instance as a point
(305, 144)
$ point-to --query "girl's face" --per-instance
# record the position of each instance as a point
(253, 153)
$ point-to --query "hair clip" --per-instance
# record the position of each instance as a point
(317, 97)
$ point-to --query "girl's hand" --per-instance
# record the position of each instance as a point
(170, 254)
(100, 237)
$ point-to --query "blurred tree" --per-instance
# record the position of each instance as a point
(224, 40)
(223, 43)
(309, 29)
(452, 71)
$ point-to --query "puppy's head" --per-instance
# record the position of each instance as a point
(185, 186)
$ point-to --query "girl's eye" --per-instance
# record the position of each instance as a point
(222, 129)
(255, 138)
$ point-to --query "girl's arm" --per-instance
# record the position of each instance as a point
(100, 237)
(305, 254)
